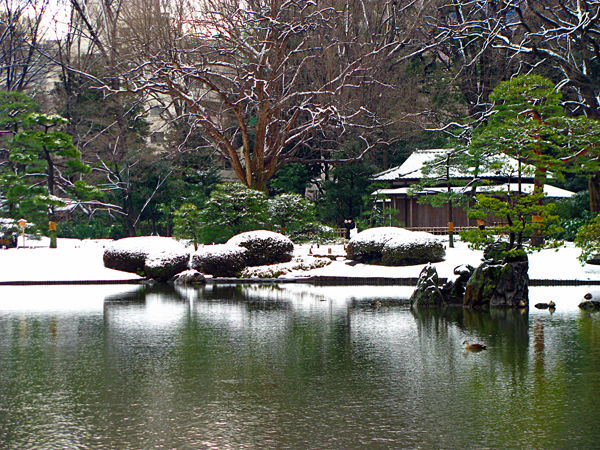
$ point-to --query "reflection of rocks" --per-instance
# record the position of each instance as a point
(590, 305)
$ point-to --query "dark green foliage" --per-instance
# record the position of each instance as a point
(588, 239)
(98, 226)
(515, 214)
(14, 108)
(187, 224)
(232, 209)
(293, 215)
(292, 178)
(345, 193)
(43, 169)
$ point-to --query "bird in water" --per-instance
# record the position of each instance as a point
(473, 347)
(550, 305)
(376, 304)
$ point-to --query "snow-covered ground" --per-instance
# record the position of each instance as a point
(76, 260)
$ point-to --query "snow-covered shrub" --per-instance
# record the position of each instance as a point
(415, 248)
(221, 260)
(165, 264)
(395, 247)
(367, 246)
(129, 254)
(264, 247)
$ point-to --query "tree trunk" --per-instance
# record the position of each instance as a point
(594, 188)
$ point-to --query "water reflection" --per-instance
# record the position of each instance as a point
(290, 366)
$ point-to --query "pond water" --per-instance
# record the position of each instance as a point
(291, 367)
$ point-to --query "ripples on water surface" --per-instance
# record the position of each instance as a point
(291, 367)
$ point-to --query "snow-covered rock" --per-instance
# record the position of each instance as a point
(189, 276)
(131, 254)
(221, 260)
(264, 247)
(394, 246)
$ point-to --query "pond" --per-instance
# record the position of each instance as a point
(291, 367)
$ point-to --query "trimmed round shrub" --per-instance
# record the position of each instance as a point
(367, 246)
(164, 265)
(416, 248)
(221, 260)
(129, 254)
(264, 247)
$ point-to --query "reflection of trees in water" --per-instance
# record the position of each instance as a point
(504, 331)
(499, 327)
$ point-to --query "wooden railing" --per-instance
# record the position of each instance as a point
(438, 230)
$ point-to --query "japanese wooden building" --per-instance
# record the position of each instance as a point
(413, 214)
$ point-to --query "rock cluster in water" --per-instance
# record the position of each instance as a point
(500, 281)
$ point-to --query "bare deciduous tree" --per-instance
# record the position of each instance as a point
(261, 79)
(24, 49)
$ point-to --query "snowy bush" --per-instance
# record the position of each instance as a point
(165, 264)
(264, 247)
(395, 247)
(416, 248)
(130, 254)
(221, 260)
(367, 246)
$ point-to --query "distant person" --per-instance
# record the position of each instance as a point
(349, 225)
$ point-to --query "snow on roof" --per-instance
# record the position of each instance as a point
(412, 167)
(526, 188)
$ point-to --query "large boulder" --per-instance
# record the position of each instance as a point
(161, 256)
(394, 246)
(188, 277)
(427, 292)
(264, 247)
(221, 260)
(499, 284)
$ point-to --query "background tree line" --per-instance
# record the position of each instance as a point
(161, 95)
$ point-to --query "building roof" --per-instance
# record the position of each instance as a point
(412, 167)
(526, 188)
